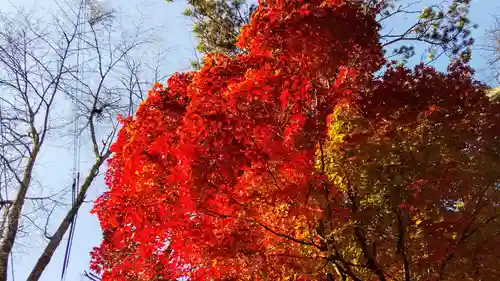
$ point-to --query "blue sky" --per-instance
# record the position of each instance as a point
(180, 42)
(481, 13)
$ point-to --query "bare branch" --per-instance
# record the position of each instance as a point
(76, 58)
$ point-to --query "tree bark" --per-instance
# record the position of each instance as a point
(13, 215)
(58, 236)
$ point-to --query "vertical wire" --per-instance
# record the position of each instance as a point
(76, 141)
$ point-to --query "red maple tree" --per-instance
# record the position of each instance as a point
(292, 162)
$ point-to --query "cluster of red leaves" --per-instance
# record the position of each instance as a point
(216, 177)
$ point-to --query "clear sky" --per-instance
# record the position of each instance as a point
(56, 164)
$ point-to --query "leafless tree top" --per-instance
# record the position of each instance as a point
(64, 78)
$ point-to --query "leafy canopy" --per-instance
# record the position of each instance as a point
(290, 161)
(439, 27)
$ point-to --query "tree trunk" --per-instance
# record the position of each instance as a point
(14, 214)
(58, 236)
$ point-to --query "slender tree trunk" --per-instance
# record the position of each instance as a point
(14, 215)
(58, 236)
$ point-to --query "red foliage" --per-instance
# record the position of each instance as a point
(216, 178)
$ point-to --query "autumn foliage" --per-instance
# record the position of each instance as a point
(299, 161)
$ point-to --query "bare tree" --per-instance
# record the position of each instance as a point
(75, 59)
(492, 48)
